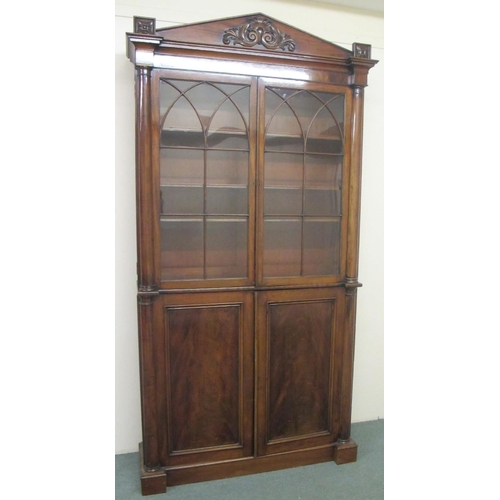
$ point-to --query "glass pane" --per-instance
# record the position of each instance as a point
(170, 92)
(321, 247)
(182, 138)
(227, 182)
(323, 145)
(323, 202)
(227, 168)
(227, 248)
(284, 143)
(181, 200)
(282, 201)
(227, 140)
(302, 119)
(205, 99)
(323, 181)
(227, 200)
(181, 122)
(189, 109)
(282, 247)
(240, 97)
(305, 106)
(283, 130)
(323, 136)
(181, 167)
(323, 124)
(323, 171)
(283, 170)
(181, 249)
(227, 128)
(283, 173)
(337, 106)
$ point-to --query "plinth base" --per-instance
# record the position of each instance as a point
(155, 482)
(345, 452)
(152, 483)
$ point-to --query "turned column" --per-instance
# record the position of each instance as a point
(354, 190)
(146, 279)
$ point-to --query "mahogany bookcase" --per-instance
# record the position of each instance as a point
(248, 153)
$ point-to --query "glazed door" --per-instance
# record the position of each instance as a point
(303, 160)
(206, 342)
(299, 353)
(206, 179)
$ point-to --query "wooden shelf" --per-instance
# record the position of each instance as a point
(297, 144)
(197, 139)
(199, 217)
(192, 199)
(201, 186)
(300, 188)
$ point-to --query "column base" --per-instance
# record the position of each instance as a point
(154, 482)
(345, 452)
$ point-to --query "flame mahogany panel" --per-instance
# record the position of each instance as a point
(299, 336)
(298, 340)
(209, 376)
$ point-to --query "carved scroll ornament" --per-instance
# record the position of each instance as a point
(259, 31)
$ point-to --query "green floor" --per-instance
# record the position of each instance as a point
(362, 480)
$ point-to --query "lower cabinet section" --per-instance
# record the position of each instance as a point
(245, 381)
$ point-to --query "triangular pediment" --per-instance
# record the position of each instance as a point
(253, 32)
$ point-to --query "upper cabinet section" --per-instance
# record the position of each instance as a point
(248, 154)
(223, 45)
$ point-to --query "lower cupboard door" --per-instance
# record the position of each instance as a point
(298, 368)
(208, 384)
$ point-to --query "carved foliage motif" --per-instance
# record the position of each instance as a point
(259, 31)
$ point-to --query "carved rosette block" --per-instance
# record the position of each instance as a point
(145, 25)
(362, 50)
(259, 31)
